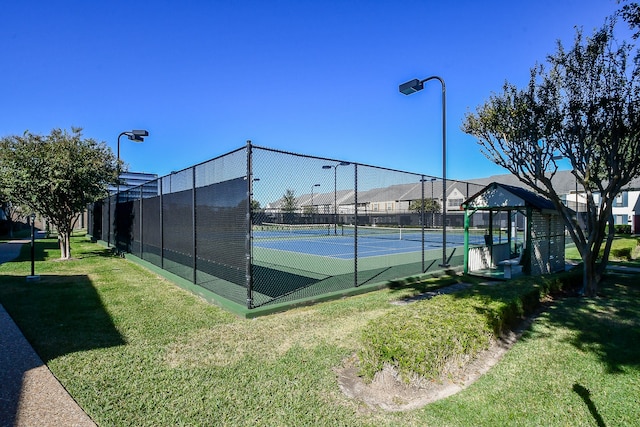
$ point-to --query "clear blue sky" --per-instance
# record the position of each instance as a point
(314, 77)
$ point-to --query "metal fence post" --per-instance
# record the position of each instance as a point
(422, 216)
(249, 240)
(161, 225)
(109, 221)
(193, 222)
(141, 221)
(355, 228)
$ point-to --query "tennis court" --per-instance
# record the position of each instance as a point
(327, 240)
(222, 225)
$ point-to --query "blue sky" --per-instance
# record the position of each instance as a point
(311, 77)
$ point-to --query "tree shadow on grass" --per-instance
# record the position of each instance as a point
(44, 247)
(58, 315)
(20, 251)
(608, 326)
(585, 394)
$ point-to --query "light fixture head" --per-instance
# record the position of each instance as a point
(140, 132)
(411, 86)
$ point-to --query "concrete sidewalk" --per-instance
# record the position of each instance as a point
(30, 395)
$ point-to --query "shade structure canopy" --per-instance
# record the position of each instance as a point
(535, 239)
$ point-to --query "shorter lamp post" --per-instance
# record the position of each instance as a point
(33, 277)
(433, 206)
(312, 211)
(335, 192)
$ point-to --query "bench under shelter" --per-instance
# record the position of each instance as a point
(524, 233)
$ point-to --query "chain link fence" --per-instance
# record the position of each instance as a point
(259, 226)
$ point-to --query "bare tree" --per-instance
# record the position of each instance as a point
(584, 109)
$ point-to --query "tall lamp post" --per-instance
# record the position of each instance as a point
(432, 205)
(335, 192)
(135, 136)
(417, 85)
(312, 212)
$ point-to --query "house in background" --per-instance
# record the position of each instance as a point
(386, 204)
(626, 208)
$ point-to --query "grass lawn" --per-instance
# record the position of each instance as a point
(133, 349)
(618, 242)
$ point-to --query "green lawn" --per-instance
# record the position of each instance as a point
(619, 242)
(133, 349)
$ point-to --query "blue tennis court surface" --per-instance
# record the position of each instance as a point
(342, 246)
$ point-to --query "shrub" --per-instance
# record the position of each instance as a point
(452, 328)
(425, 337)
(623, 229)
(621, 253)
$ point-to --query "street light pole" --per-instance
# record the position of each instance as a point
(335, 192)
(413, 86)
(432, 205)
(312, 212)
(135, 136)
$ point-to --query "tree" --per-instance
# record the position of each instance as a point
(289, 202)
(56, 176)
(430, 205)
(584, 109)
(255, 206)
(631, 13)
(289, 205)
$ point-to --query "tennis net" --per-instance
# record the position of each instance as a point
(276, 230)
(389, 233)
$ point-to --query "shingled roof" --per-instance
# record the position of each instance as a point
(501, 196)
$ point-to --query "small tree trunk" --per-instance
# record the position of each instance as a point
(68, 239)
(64, 239)
(591, 277)
(62, 245)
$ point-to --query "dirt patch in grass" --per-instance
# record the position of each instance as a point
(389, 392)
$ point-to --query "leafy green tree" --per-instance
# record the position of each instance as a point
(585, 109)
(289, 206)
(56, 176)
(289, 202)
(255, 206)
(430, 205)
